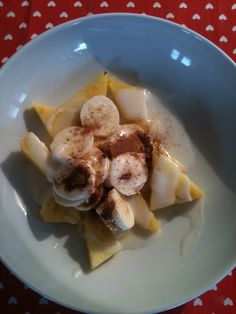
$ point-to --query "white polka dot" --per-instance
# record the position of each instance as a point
(223, 39)
(223, 17)
(183, 5)
(1, 284)
(37, 14)
(78, 4)
(197, 302)
(196, 17)
(12, 300)
(209, 28)
(234, 51)
(25, 4)
(63, 15)
(130, 4)
(4, 60)
(228, 302)
(1, 4)
(8, 37)
(43, 301)
(51, 4)
(18, 48)
(104, 4)
(33, 36)
(11, 14)
(209, 6)
(156, 5)
(22, 25)
(170, 15)
(233, 6)
(49, 25)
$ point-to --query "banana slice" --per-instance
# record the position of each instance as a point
(100, 163)
(35, 151)
(75, 182)
(100, 115)
(93, 201)
(71, 143)
(128, 173)
(116, 213)
(67, 114)
(65, 202)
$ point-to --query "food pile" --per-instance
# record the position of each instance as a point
(107, 166)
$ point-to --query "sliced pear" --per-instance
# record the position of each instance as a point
(130, 100)
(169, 185)
(144, 218)
(100, 242)
(43, 111)
(67, 114)
(53, 212)
(35, 151)
(114, 85)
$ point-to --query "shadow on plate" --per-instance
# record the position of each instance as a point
(31, 188)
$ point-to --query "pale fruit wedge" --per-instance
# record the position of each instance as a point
(144, 218)
(169, 185)
(100, 242)
(68, 113)
(35, 151)
(43, 111)
(53, 212)
(130, 100)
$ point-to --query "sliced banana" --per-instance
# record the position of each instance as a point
(75, 182)
(100, 115)
(93, 201)
(128, 173)
(71, 143)
(67, 203)
(100, 163)
(116, 213)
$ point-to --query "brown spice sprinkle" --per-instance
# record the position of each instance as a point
(78, 178)
(123, 144)
(107, 209)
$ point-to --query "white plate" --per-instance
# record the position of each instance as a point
(197, 81)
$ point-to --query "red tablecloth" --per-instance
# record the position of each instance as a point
(22, 20)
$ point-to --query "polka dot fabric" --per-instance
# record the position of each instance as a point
(23, 20)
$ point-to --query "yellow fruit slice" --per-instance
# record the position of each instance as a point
(43, 111)
(144, 218)
(35, 151)
(169, 185)
(100, 242)
(67, 114)
(114, 85)
(131, 101)
(194, 190)
(53, 212)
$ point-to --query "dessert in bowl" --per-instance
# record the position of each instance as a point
(174, 264)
